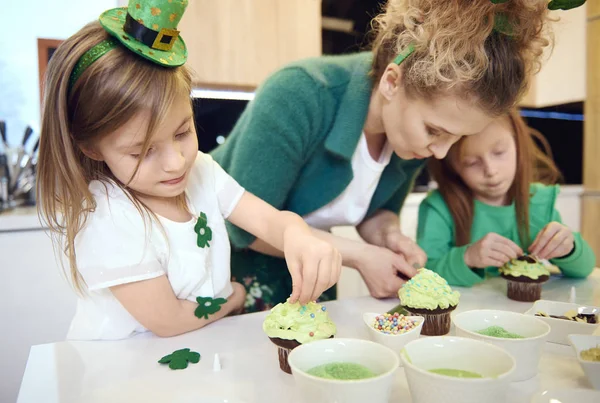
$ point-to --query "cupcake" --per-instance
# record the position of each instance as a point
(289, 325)
(525, 276)
(429, 295)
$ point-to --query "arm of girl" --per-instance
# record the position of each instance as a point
(564, 248)
(378, 266)
(435, 234)
(314, 264)
(153, 304)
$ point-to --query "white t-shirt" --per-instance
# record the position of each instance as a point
(351, 206)
(118, 246)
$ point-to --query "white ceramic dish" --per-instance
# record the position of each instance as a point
(567, 396)
(377, 358)
(582, 342)
(458, 353)
(394, 341)
(561, 328)
(526, 351)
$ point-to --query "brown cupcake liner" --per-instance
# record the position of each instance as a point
(524, 289)
(437, 321)
(283, 350)
(284, 347)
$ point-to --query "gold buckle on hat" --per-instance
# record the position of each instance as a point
(158, 44)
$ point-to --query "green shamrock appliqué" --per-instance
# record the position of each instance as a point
(208, 306)
(179, 359)
(203, 230)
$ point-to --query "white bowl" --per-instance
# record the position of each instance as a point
(582, 342)
(567, 396)
(561, 328)
(526, 351)
(422, 355)
(394, 341)
(374, 356)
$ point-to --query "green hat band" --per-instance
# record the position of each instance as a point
(90, 57)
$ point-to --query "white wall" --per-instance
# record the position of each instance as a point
(22, 23)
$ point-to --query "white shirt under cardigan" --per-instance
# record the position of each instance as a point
(351, 206)
(118, 246)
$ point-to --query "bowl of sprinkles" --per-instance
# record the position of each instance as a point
(522, 336)
(393, 330)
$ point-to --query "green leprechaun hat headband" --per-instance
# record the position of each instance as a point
(146, 27)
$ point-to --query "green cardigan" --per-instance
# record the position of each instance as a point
(435, 234)
(293, 147)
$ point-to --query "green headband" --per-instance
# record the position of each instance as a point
(404, 54)
(89, 57)
(554, 4)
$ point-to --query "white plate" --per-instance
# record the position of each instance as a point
(561, 328)
(567, 396)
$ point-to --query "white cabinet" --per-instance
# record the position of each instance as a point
(562, 77)
(36, 303)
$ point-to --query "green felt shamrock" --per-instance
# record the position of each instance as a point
(203, 230)
(565, 4)
(208, 306)
(179, 359)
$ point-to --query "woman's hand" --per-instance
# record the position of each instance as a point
(491, 250)
(314, 264)
(397, 242)
(382, 270)
(553, 241)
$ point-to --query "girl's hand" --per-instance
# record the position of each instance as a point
(491, 250)
(314, 264)
(382, 270)
(554, 240)
(399, 243)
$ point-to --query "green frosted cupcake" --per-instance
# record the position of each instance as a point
(429, 295)
(289, 325)
(525, 276)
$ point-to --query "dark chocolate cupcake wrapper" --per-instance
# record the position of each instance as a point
(437, 321)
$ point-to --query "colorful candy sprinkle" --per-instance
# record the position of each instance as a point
(393, 323)
(312, 315)
(311, 334)
(323, 308)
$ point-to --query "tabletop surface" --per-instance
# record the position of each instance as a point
(127, 370)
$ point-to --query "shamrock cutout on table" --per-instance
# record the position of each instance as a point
(208, 306)
(203, 230)
(179, 359)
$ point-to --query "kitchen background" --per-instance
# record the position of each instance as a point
(234, 44)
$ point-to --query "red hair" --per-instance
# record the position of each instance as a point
(533, 165)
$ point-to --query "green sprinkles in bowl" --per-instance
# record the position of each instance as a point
(500, 332)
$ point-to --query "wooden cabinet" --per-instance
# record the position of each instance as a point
(238, 43)
(562, 77)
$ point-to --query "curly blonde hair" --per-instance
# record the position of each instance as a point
(482, 50)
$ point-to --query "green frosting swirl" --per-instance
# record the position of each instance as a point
(297, 322)
(518, 268)
(427, 290)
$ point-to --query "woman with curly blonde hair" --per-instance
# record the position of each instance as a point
(340, 139)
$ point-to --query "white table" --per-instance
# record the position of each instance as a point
(127, 371)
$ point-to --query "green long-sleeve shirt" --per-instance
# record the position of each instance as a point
(435, 234)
